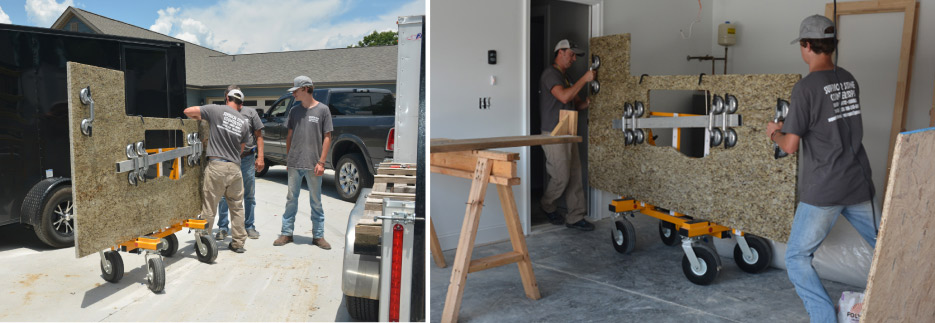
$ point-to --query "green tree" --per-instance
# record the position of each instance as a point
(378, 39)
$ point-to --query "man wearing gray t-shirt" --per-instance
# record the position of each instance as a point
(307, 145)
(562, 162)
(250, 160)
(835, 175)
(227, 136)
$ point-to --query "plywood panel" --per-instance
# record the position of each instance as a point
(743, 187)
(109, 210)
(900, 276)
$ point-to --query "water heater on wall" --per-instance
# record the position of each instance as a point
(726, 34)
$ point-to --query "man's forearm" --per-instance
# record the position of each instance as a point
(259, 144)
(325, 147)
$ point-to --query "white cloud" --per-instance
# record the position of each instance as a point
(43, 13)
(4, 19)
(245, 26)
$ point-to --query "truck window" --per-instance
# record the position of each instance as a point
(351, 103)
(384, 104)
(279, 109)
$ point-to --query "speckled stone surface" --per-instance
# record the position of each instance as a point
(742, 187)
(108, 209)
(901, 275)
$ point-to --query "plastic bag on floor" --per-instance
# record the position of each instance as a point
(849, 307)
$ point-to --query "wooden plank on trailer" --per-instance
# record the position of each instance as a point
(394, 179)
(446, 145)
(904, 243)
(396, 171)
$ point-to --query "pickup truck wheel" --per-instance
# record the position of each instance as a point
(56, 225)
(350, 175)
(261, 172)
(362, 309)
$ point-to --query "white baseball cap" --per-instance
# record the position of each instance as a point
(236, 94)
(563, 44)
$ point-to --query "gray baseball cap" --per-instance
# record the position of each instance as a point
(813, 27)
(300, 82)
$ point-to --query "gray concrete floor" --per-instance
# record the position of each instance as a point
(296, 282)
(582, 278)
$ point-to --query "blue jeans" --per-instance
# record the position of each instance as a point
(248, 170)
(314, 200)
(810, 227)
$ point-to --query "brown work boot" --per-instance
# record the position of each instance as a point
(321, 243)
(282, 240)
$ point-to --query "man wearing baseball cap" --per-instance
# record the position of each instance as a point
(307, 145)
(556, 93)
(228, 134)
(250, 160)
(824, 113)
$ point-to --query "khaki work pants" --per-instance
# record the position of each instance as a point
(223, 179)
(564, 168)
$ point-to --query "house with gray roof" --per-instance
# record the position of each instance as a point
(263, 77)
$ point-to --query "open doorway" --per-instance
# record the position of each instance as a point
(551, 21)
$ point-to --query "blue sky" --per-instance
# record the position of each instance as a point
(235, 26)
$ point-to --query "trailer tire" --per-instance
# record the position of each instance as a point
(668, 233)
(56, 226)
(623, 236)
(210, 251)
(114, 272)
(362, 309)
(155, 274)
(710, 266)
(172, 246)
(762, 255)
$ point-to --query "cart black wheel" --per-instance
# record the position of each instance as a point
(710, 266)
(761, 252)
(362, 309)
(623, 236)
(155, 274)
(113, 269)
(668, 233)
(172, 246)
(209, 250)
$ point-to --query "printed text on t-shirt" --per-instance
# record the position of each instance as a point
(844, 97)
(313, 119)
(232, 124)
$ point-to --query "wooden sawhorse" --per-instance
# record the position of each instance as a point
(469, 159)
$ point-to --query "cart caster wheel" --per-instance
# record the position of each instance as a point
(208, 250)
(668, 233)
(112, 266)
(708, 270)
(172, 247)
(761, 256)
(623, 236)
(155, 275)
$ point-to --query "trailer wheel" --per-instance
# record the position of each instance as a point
(362, 309)
(112, 266)
(56, 226)
(623, 236)
(172, 247)
(668, 233)
(208, 252)
(708, 269)
(761, 256)
(155, 274)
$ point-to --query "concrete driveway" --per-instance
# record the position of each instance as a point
(295, 282)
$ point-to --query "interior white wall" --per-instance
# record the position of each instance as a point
(464, 32)
(869, 49)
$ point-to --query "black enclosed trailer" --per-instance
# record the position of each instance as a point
(34, 155)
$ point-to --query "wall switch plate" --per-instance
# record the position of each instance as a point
(492, 57)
